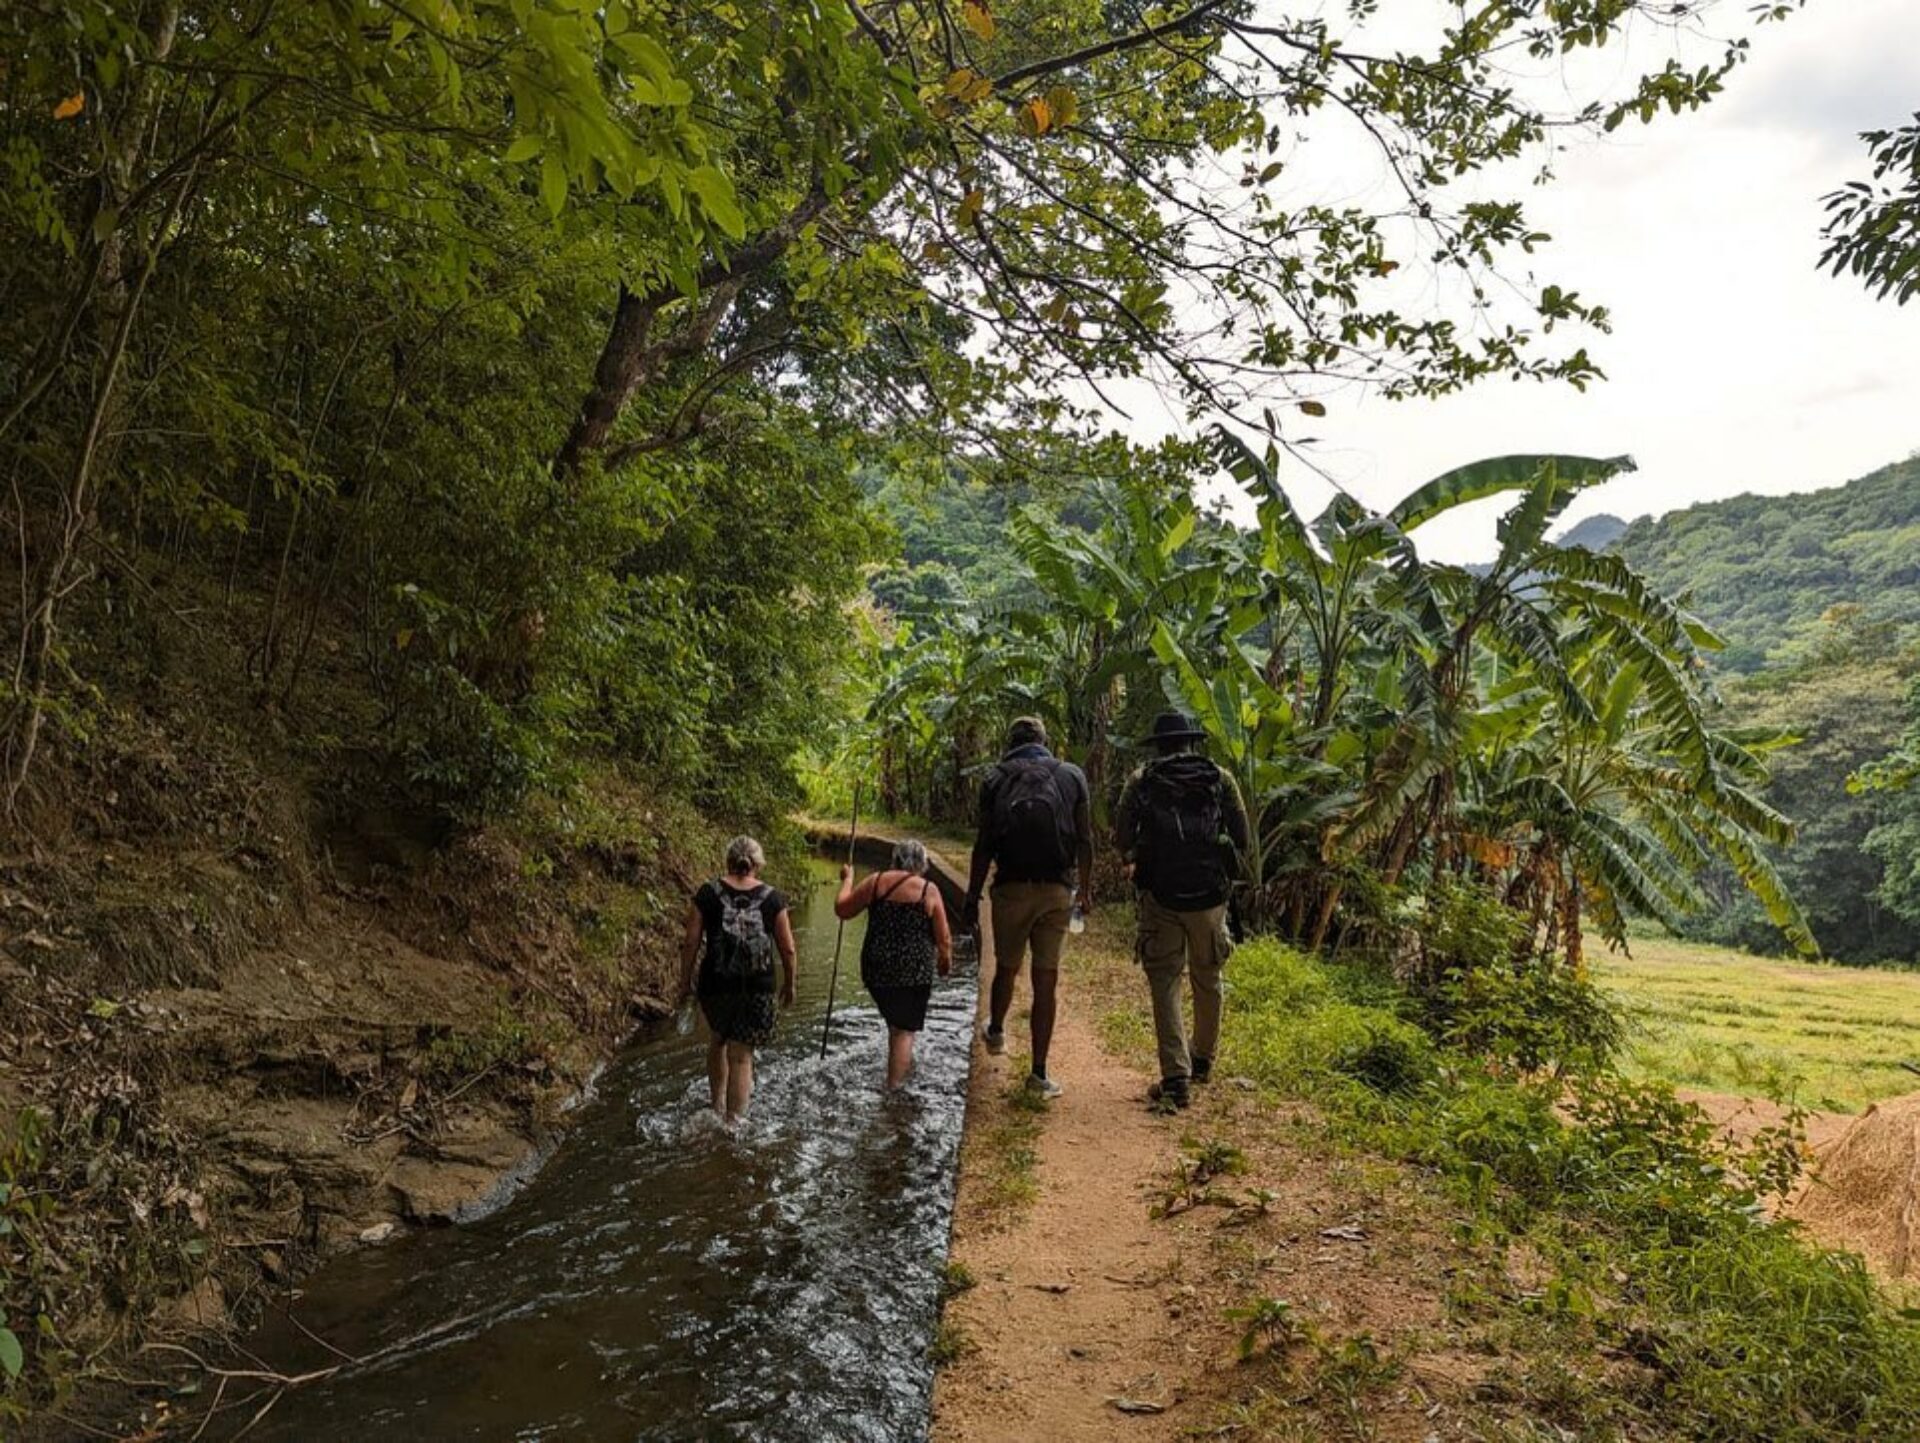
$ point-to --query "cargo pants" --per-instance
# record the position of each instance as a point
(1168, 946)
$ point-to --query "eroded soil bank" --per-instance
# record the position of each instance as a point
(246, 1022)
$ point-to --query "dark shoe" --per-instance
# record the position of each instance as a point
(1202, 1069)
(1169, 1094)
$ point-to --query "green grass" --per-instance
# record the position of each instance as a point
(1006, 1150)
(1831, 1038)
(1721, 1324)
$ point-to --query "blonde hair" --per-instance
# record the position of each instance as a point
(744, 855)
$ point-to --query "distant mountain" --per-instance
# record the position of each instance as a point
(1764, 570)
(1596, 533)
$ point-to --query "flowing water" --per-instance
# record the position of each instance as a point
(661, 1279)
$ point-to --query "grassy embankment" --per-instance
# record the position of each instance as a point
(1606, 1256)
(1830, 1038)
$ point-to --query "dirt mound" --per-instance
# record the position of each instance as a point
(1865, 1195)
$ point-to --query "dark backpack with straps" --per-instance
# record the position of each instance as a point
(741, 955)
(1183, 853)
(1033, 821)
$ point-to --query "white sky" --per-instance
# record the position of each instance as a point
(1735, 364)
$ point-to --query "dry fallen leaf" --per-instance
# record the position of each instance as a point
(1137, 1405)
(71, 106)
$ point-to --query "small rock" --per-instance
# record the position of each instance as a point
(379, 1232)
(645, 1008)
(204, 1307)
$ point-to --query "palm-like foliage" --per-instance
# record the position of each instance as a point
(1542, 725)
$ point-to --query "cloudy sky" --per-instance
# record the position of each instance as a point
(1735, 364)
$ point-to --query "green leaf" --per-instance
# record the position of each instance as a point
(553, 184)
(12, 1357)
(716, 194)
(525, 147)
(1480, 479)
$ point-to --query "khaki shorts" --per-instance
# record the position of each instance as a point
(1030, 916)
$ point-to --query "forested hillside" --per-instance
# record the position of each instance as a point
(1817, 597)
(1763, 569)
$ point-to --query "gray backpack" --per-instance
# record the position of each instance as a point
(740, 958)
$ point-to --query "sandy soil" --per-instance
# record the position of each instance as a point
(1093, 1318)
(1742, 1117)
(1066, 1313)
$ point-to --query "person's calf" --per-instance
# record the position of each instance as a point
(1000, 998)
(1045, 1009)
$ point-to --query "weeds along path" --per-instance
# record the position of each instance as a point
(1107, 1263)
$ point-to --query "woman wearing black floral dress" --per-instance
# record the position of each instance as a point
(908, 942)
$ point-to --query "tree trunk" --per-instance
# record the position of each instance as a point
(616, 376)
(1325, 919)
(632, 357)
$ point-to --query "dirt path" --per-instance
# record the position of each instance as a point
(1063, 1316)
(1104, 1287)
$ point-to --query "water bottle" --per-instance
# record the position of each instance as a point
(1077, 922)
(683, 1019)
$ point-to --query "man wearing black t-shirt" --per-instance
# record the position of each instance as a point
(1036, 837)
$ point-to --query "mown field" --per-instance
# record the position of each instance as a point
(1831, 1038)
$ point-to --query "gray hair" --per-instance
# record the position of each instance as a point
(743, 856)
(910, 856)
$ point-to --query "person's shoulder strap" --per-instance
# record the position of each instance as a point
(898, 882)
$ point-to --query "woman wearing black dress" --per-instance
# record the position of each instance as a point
(908, 942)
(734, 929)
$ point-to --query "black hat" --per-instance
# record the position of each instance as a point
(1171, 726)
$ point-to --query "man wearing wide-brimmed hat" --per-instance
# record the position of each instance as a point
(1181, 829)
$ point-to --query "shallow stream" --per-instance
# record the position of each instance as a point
(660, 1279)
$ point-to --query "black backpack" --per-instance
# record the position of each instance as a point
(740, 954)
(1033, 821)
(1183, 853)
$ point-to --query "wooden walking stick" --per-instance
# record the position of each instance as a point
(840, 933)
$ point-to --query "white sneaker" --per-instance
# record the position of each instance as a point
(996, 1041)
(1045, 1086)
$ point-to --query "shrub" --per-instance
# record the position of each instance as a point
(1488, 994)
(1535, 1018)
(1294, 1031)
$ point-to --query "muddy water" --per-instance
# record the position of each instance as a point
(660, 1279)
